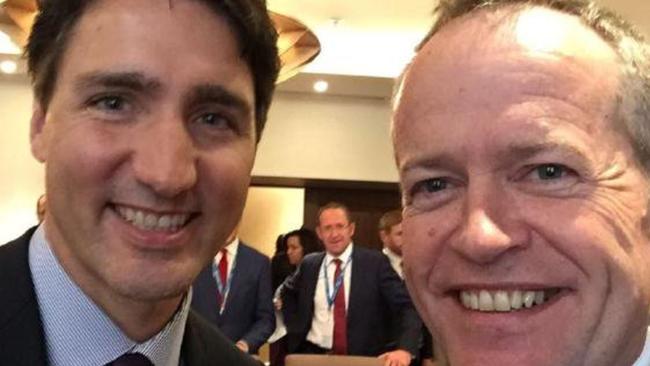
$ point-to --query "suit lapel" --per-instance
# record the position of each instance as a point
(21, 335)
(356, 283)
(313, 273)
(205, 345)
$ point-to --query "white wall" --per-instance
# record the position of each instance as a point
(307, 136)
(22, 176)
(316, 136)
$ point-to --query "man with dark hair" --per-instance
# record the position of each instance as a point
(342, 301)
(390, 233)
(146, 116)
(522, 142)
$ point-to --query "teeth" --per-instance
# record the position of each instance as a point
(529, 299)
(151, 221)
(516, 300)
(502, 300)
(485, 302)
(473, 297)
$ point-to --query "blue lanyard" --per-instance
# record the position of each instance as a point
(338, 281)
(223, 291)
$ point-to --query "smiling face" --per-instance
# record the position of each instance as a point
(525, 210)
(148, 144)
(335, 230)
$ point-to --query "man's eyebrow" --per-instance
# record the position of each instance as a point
(507, 156)
(440, 161)
(135, 81)
(521, 151)
(211, 93)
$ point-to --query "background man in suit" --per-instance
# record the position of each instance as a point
(146, 115)
(390, 233)
(234, 293)
(521, 136)
(341, 301)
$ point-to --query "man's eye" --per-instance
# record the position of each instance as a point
(430, 193)
(214, 120)
(549, 178)
(433, 185)
(109, 103)
(550, 171)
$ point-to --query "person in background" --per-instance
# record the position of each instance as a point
(521, 132)
(390, 233)
(146, 116)
(234, 293)
(298, 243)
(280, 266)
(340, 301)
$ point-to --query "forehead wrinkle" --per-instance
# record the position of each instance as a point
(132, 80)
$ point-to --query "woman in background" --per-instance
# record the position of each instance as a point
(298, 244)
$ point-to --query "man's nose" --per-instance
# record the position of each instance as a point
(165, 158)
(490, 227)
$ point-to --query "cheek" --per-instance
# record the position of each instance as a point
(223, 177)
(422, 240)
(81, 162)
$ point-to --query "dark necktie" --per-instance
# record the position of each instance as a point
(131, 359)
(340, 341)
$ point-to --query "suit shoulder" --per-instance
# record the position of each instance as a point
(313, 258)
(365, 252)
(252, 252)
(203, 344)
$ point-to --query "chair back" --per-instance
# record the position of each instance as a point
(330, 360)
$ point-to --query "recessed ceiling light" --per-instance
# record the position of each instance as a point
(7, 45)
(8, 66)
(321, 86)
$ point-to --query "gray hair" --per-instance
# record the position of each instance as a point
(629, 44)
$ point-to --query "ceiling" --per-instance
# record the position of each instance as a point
(377, 37)
(370, 39)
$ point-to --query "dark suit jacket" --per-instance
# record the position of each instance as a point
(248, 313)
(22, 341)
(377, 295)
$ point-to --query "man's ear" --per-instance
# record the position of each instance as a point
(383, 236)
(37, 134)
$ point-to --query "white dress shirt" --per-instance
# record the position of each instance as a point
(77, 331)
(322, 325)
(231, 251)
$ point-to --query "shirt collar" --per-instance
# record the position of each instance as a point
(343, 256)
(230, 248)
(77, 331)
(392, 255)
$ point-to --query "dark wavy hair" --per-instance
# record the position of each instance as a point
(308, 240)
(248, 19)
